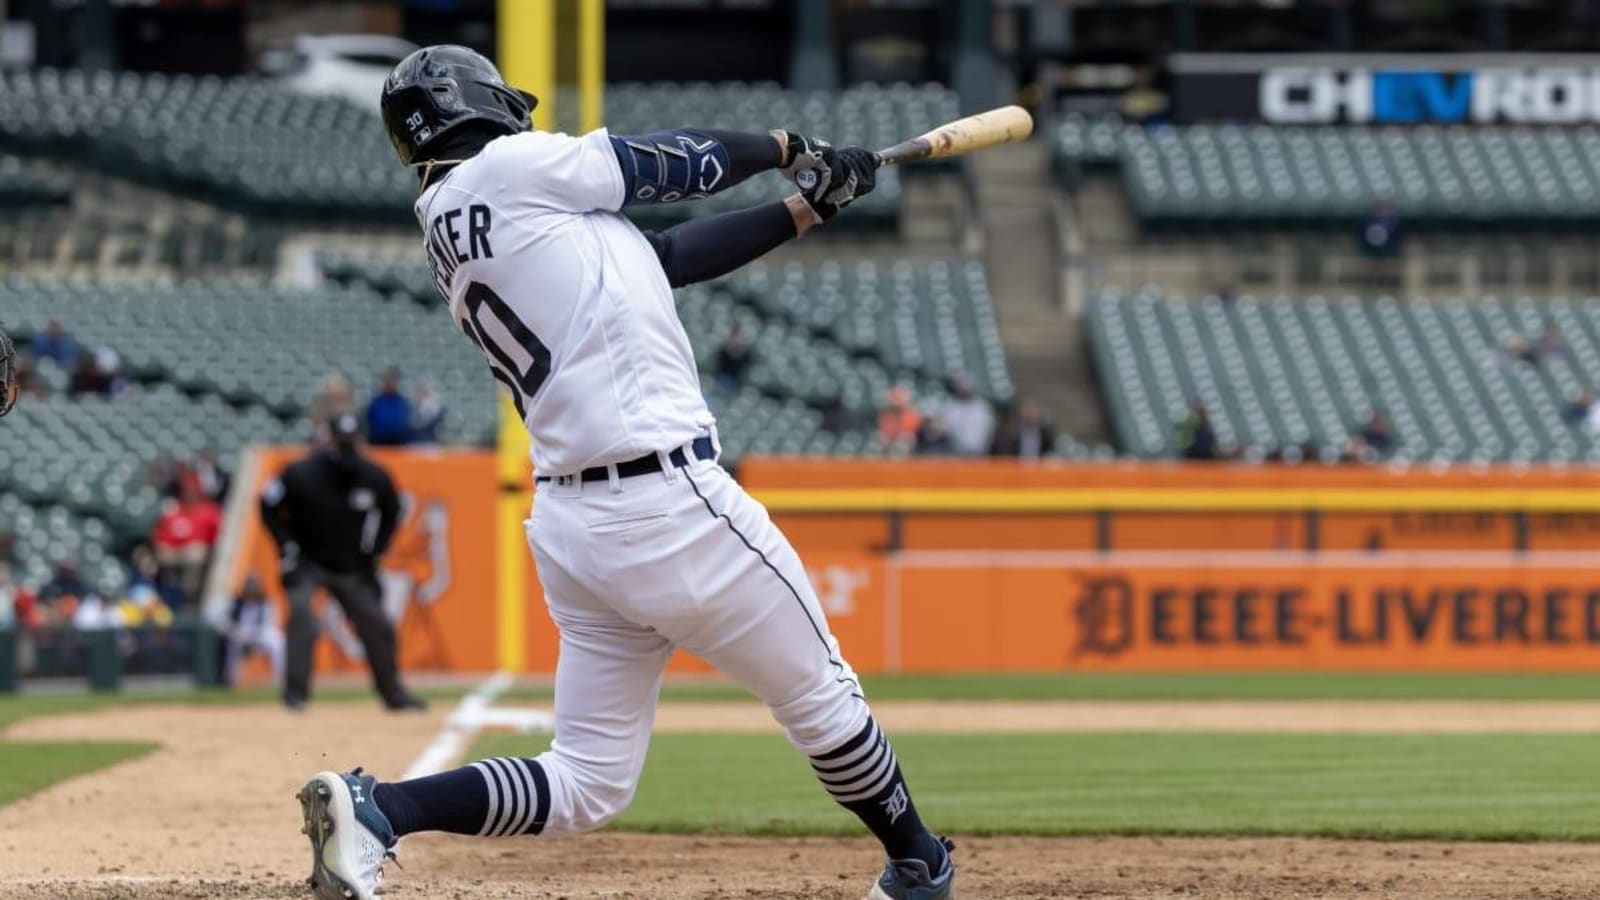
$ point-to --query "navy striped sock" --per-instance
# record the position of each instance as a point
(864, 777)
(492, 797)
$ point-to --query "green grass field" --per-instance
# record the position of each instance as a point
(1044, 686)
(29, 767)
(1452, 786)
(1477, 787)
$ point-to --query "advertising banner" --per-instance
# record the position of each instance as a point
(1380, 89)
(1447, 612)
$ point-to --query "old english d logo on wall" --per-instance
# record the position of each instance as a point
(1104, 615)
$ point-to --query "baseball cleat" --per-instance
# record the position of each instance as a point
(909, 879)
(350, 837)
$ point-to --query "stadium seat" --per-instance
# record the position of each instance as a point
(247, 143)
(1278, 175)
(825, 336)
(1293, 372)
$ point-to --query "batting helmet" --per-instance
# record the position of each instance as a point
(437, 90)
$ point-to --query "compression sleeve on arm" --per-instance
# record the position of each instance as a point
(689, 163)
(702, 249)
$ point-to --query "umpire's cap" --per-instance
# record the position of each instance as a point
(436, 90)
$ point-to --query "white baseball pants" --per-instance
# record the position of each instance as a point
(635, 567)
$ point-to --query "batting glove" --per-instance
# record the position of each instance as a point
(806, 160)
(850, 174)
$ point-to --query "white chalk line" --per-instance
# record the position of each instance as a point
(473, 714)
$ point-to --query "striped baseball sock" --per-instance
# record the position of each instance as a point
(499, 797)
(864, 777)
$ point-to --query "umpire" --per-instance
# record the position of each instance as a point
(332, 515)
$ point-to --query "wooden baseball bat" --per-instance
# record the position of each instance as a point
(1003, 125)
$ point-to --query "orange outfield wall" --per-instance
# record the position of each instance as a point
(949, 566)
(438, 577)
(1155, 505)
(1170, 565)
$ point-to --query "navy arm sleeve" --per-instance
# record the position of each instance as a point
(702, 249)
(690, 163)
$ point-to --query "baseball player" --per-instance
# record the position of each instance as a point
(643, 544)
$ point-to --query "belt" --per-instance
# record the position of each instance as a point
(644, 465)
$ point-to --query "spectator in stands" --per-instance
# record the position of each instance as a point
(144, 607)
(8, 599)
(1579, 408)
(333, 398)
(1591, 419)
(56, 345)
(8, 549)
(213, 479)
(150, 583)
(389, 414)
(253, 628)
(968, 419)
(1381, 235)
(18, 606)
(1196, 438)
(428, 423)
(64, 590)
(1026, 434)
(93, 613)
(1373, 440)
(29, 384)
(899, 421)
(933, 438)
(1549, 343)
(733, 361)
(88, 378)
(1521, 350)
(19, 613)
(186, 532)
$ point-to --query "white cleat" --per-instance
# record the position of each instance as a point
(350, 837)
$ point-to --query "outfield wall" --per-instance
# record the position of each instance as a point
(948, 566)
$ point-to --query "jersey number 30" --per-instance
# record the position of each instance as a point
(518, 359)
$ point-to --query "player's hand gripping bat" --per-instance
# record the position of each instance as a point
(1004, 125)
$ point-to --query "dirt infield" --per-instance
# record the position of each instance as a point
(210, 815)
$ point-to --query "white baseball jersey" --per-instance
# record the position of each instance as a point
(566, 299)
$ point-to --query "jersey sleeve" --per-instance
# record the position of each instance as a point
(560, 171)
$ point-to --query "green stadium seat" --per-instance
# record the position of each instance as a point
(1284, 372)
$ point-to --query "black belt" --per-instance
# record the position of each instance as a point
(644, 465)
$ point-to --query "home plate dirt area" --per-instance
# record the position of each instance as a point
(210, 815)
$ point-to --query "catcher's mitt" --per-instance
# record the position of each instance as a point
(9, 385)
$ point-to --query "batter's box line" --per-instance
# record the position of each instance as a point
(472, 715)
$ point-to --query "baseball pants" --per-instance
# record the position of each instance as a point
(362, 601)
(633, 568)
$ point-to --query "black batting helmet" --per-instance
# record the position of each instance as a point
(438, 89)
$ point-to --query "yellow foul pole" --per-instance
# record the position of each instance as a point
(591, 63)
(525, 51)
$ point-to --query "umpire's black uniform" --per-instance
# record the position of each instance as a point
(333, 515)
